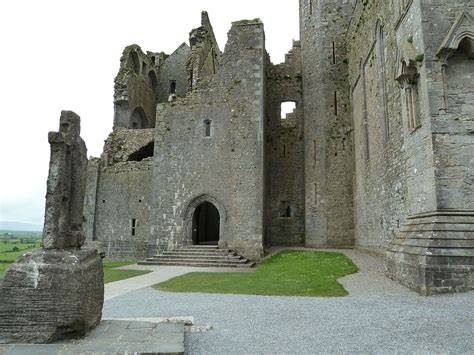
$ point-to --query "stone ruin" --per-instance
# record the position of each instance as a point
(377, 153)
(56, 292)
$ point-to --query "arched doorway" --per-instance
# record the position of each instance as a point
(206, 224)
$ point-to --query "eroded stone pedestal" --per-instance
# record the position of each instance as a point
(49, 295)
(434, 253)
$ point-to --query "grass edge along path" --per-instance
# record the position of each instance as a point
(288, 273)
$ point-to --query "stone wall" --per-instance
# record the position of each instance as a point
(380, 184)
(329, 161)
(173, 69)
(224, 168)
(285, 153)
(205, 55)
(122, 195)
(413, 139)
(449, 63)
(136, 90)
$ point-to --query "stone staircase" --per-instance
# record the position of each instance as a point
(200, 256)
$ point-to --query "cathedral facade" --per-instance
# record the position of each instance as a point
(376, 152)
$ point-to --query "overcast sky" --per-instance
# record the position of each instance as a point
(63, 55)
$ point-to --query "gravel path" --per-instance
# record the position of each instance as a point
(379, 316)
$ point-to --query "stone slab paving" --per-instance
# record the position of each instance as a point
(114, 337)
(378, 317)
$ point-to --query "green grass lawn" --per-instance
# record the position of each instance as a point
(111, 274)
(289, 273)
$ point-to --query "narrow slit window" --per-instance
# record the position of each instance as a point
(207, 128)
(285, 209)
(333, 53)
(173, 87)
(133, 226)
(335, 103)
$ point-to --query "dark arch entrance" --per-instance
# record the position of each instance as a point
(206, 223)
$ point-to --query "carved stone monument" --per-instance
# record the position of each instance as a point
(56, 292)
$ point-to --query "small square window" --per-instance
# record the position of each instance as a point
(288, 108)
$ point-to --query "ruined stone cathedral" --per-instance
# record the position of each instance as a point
(377, 154)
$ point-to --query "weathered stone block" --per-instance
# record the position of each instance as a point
(431, 255)
(48, 295)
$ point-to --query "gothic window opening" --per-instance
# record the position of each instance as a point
(287, 109)
(285, 209)
(139, 119)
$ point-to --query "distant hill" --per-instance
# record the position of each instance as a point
(20, 226)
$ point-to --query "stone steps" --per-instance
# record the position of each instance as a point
(200, 256)
(194, 253)
(197, 257)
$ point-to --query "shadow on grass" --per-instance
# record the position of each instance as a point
(289, 273)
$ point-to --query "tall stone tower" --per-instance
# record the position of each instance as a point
(329, 160)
